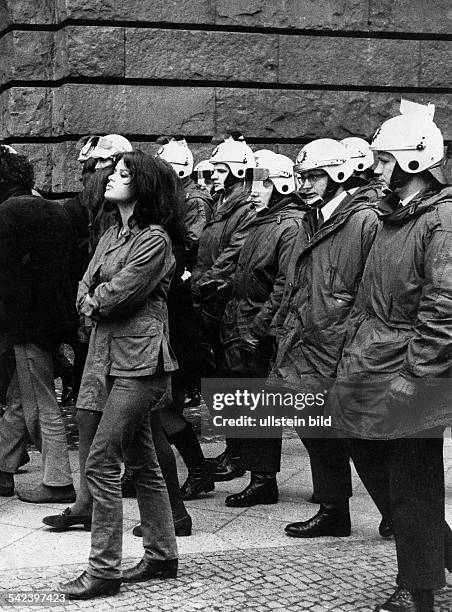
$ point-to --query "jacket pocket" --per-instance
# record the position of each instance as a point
(135, 352)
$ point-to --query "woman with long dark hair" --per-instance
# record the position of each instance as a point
(124, 291)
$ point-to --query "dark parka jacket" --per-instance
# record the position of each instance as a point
(219, 249)
(196, 211)
(37, 248)
(260, 277)
(325, 276)
(401, 324)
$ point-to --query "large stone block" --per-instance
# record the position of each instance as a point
(90, 51)
(170, 11)
(436, 63)
(27, 11)
(26, 55)
(184, 54)
(303, 14)
(434, 16)
(292, 114)
(134, 110)
(66, 175)
(348, 61)
(26, 111)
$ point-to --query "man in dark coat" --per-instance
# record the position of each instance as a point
(258, 287)
(392, 396)
(325, 277)
(37, 313)
(218, 253)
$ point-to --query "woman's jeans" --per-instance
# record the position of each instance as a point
(124, 435)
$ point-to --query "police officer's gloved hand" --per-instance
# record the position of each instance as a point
(401, 391)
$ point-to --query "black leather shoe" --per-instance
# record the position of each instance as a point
(62, 522)
(228, 469)
(263, 489)
(6, 484)
(128, 484)
(182, 528)
(43, 494)
(330, 520)
(192, 399)
(214, 461)
(147, 570)
(199, 480)
(87, 587)
(400, 601)
(385, 528)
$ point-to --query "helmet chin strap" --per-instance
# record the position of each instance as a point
(399, 178)
(331, 189)
(231, 180)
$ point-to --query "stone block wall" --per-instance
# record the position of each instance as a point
(282, 71)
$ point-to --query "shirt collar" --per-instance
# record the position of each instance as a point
(329, 208)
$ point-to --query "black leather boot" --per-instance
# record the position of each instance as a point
(400, 601)
(87, 587)
(199, 480)
(330, 520)
(228, 469)
(263, 489)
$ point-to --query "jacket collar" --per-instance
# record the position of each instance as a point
(362, 199)
(282, 210)
(424, 201)
(230, 200)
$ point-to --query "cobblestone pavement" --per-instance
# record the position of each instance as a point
(321, 578)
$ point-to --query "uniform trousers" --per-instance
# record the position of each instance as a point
(330, 468)
(414, 499)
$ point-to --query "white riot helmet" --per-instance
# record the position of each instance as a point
(111, 145)
(236, 154)
(413, 139)
(202, 172)
(328, 155)
(274, 167)
(360, 152)
(9, 149)
(177, 153)
(87, 146)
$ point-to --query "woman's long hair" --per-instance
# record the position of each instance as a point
(159, 196)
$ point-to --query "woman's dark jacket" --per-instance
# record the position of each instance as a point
(401, 324)
(37, 301)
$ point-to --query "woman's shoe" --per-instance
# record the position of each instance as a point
(182, 527)
(147, 570)
(87, 587)
(61, 522)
